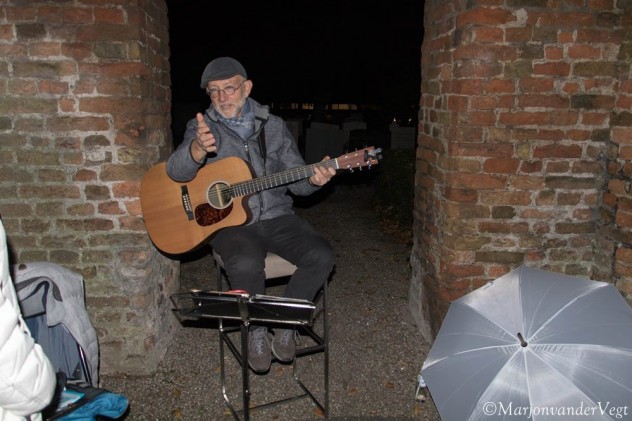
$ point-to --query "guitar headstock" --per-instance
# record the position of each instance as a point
(361, 158)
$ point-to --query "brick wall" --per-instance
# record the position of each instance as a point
(525, 140)
(84, 111)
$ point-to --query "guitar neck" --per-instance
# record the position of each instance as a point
(278, 179)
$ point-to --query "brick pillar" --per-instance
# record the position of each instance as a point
(522, 153)
(84, 106)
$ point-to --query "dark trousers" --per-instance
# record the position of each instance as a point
(243, 250)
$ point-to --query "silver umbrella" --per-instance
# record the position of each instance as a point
(536, 345)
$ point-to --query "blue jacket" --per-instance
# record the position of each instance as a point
(282, 154)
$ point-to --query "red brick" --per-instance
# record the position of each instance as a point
(594, 118)
(537, 213)
(53, 87)
(76, 50)
(500, 86)
(22, 87)
(624, 102)
(584, 51)
(467, 87)
(624, 254)
(572, 19)
(461, 195)
(110, 208)
(458, 103)
(625, 203)
(109, 15)
(66, 105)
(478, 118)
(518, 35)
(44, 49)
(6, 32)
(565, 118)
(530, 166)
(109, 105)
(579, 135)
(85, 175)
(552, 69)
(571, 87)
(522, 118)
(127, 189)
(488, 35)
(622, 135)
(111, 32)
(476, 181)
(625, 153)
(503, 227)
(553, 53)
(506, 197)
(598, 36)
(486, 102)
(44, 70)
(113, 70)
(479, 150)
(565, 37)
(464, 271)
(484, 16)
(88, 124)
(624, 219)
(558, 167)
(601, 4)
(548, 101)
(501, 165)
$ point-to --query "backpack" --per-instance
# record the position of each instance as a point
(52, 302)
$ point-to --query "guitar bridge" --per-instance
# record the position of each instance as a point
(186, 202)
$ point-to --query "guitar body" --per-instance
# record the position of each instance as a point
(181, 217)
(178, 216)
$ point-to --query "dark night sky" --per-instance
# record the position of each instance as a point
(328, 50)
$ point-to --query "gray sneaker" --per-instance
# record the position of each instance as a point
(284, 345)
(259, 357)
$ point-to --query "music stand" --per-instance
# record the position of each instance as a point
(245, 308)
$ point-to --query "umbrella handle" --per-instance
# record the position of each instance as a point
(523, 343)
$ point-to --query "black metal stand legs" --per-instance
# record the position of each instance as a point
(239, 348)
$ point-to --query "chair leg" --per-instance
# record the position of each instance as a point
(245, 383)
(218, 276)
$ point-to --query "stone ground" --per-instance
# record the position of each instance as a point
(376, 351)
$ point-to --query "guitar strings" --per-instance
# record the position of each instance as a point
(245, 187)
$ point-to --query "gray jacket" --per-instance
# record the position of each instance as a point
(282, 154)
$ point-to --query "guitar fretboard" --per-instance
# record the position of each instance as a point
(278, 179)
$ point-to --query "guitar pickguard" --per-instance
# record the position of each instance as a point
(206, 215)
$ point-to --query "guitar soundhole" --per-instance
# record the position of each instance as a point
(206, 214)
(218, 195)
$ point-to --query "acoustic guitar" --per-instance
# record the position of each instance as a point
(181, 217)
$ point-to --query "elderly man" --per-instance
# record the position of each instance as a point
(236, 125)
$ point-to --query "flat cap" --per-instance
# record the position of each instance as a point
(222, 68)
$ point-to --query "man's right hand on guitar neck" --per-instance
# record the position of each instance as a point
(204, 141)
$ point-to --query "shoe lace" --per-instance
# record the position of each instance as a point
(287, 335)
(257, 338)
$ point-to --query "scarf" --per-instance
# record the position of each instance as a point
(243, 125)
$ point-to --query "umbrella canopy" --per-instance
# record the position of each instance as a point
(534, 344)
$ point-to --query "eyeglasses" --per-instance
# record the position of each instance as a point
(228, 90)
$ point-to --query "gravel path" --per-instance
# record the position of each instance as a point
(376, 351)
